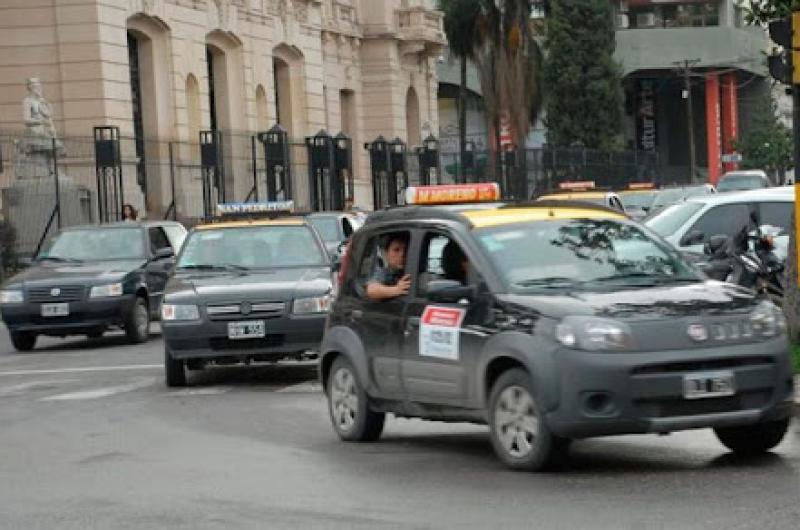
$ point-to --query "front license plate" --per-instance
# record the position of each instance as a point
(55, 310)
(246, 330)
(708, 385)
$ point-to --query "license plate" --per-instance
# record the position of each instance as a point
(55, 310)
(708, 385)
(246, 330)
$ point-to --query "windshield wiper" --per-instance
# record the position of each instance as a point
(59, 259)
(651, 278)
(553, 282)
(208, 267)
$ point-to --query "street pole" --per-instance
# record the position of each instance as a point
(796, 126)
(686, 70)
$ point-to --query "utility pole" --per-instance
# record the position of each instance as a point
(685, 67)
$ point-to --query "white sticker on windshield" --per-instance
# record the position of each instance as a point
(440, 332)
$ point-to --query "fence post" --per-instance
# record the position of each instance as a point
(344, 191)
(398, 173)
(108, 164)
(379, 166)
(254, 191)
(428, 155)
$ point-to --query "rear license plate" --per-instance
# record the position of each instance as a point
(55, 310)
(246, 330)
(708, 385)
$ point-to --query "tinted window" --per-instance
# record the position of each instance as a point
(158, 239)
(97, 244)
(176, 235)
(778, 214)
(252, 247)
(728, 219)
(669, 220)
(741, 182)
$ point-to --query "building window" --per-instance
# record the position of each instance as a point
(688, 14)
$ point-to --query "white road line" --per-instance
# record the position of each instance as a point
(21, 388)
(86, 369)
(101, 392)
(206, 391)
(302, 388)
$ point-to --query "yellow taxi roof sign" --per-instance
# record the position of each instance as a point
(453, 193)
(233, 209)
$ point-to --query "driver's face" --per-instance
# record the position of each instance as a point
(396, 254)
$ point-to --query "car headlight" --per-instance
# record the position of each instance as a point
(11, 296)
(179, 312)
(108, 290)
(768, 320)
(316, 304)
(594, 334)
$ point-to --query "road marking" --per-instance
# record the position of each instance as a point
(86, 369)
(21, 388)
(308, 387)
(207, 391)
(101, 392)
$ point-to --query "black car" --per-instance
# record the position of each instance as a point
(92, 278)
(245, 291)
(550, 322)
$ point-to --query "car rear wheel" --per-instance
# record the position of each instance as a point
(349, 408)
(23, 340)
(519, 432)
(137, 325)
(174, 370)
(750, 440)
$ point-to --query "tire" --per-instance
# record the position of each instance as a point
(752, 440)
(518, 429)
(137, 323)
(348, 405)
(174, 370)
(23, 340)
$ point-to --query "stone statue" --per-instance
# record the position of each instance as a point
(35, 148)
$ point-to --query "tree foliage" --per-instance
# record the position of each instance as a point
(583, 96)
(768, 145)
(761, 12)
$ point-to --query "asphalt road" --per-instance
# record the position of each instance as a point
(91, 439)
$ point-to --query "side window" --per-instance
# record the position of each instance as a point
(441, 258)
(728, 219)
(158, 239)
(347, 228)
(176, 235)
(778, 214)
(372, 259)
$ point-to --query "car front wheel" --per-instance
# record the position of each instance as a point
(751, 440)
(174, 370)
(137, 325)
(349, 408)
(519, 432)
(23, 340)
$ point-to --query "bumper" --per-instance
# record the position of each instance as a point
(209, 339)
(623, 393)
(84, 316)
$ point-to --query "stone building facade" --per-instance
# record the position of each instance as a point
(164, 70)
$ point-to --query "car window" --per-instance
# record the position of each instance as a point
(97, 244)
(777, 214)
(371, 259)
(669, 220)
(328, 227)
(176, 235)
(727, 219)
(440, 258)
(158, 239)
(741, 182)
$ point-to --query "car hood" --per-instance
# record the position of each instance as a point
(668, 301)
(46, 273)
(268, 285)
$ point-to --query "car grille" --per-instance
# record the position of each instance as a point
(698, 366)
(249, 310)
(66, 293)
(223, 344)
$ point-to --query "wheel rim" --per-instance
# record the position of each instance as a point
(344, 400)
(142, 321)
(516, 423)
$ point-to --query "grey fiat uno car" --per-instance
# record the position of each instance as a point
(550, 322)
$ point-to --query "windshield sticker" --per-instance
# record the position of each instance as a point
(439, 332)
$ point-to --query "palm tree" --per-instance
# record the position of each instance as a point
(459, 25)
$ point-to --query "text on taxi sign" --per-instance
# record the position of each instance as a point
(236, 208)
(453, 193)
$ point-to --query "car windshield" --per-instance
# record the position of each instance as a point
(581, 254)
(96, 244)
(669, 220)
(252, 247)
(740, 182)
(637, 199)
(328, 227)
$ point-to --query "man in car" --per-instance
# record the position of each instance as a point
(391, 280)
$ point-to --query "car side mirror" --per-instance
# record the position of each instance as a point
(692, 238)
(164, 253)
(449, 291)
(336, 261)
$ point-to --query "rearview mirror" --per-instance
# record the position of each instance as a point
(694, 237)
(449, 291)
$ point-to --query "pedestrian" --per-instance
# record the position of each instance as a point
(129, 213)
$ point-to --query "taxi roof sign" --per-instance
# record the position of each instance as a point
(253, 208)
(577, 185)
(641, 186)
(453, 193)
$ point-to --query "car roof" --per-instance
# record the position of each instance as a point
(480, 215)
(781, 193)
(245, 223)
(745, 173)
(559, 195)
(124, 224)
